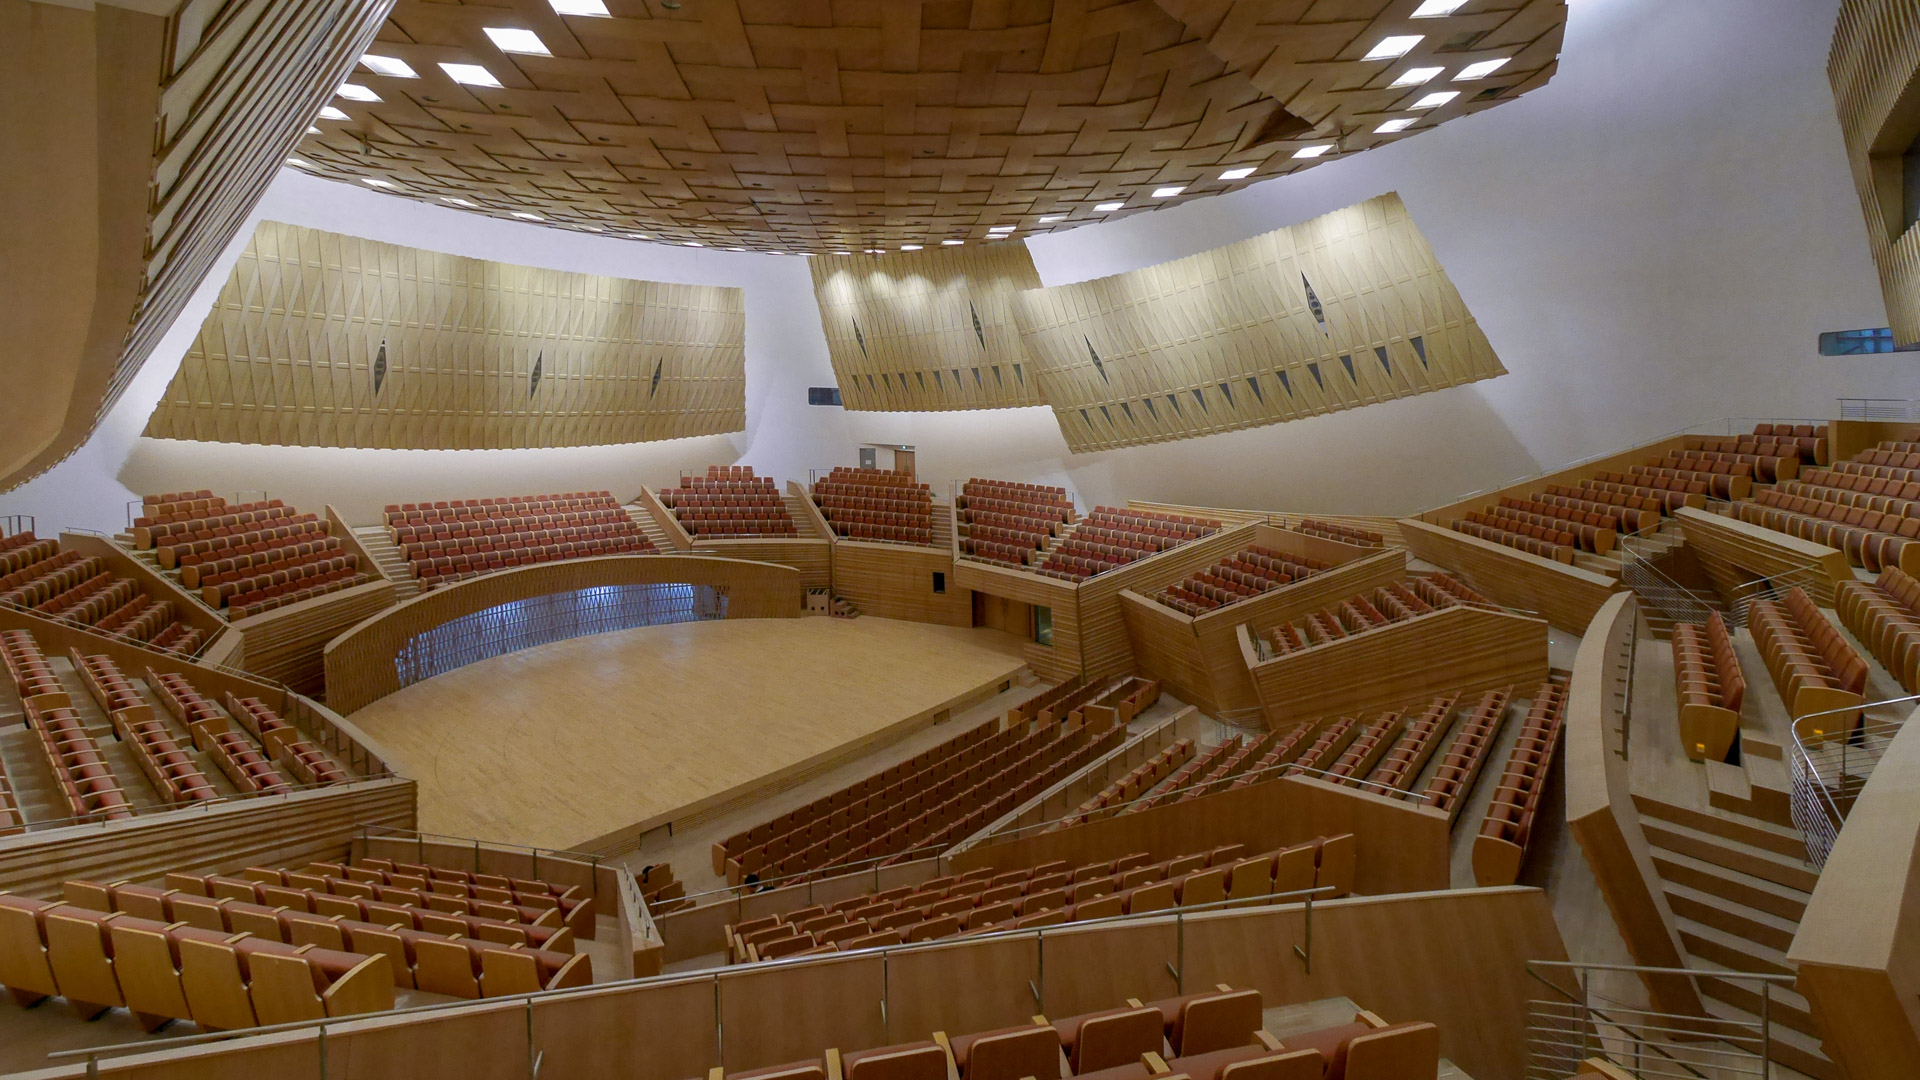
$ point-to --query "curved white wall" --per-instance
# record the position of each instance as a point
(1651, 241)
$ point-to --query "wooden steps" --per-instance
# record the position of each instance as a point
(386, 555)
(1785, 1045)
(1767, 865)
(656, 534)
(1752, 832)
(1756, 788)
(1730, 886)
(1747, 923)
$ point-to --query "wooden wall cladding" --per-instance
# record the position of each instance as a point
(359, 662)
(813, 558)
(172, 120)
(1733, 553)
(1388, 528)
(1058, 660)
(896, 581)
(927, 330)
(288, 644)
(1462, 649)
(320, 339)
(1874, 66)
(1566, 596)
(289, 830)
(1345, 310)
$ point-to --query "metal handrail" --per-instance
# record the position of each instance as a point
(1769, 588)
(588, 859)
(1820, 803)
(1606, 1026)
(1879, 408)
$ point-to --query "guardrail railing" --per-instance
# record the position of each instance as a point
(1829, 768)
(1879, 409)
(1581, 1022)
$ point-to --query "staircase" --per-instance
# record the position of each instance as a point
(386, 555)
(842, 608)
(1738, 885)
(656, 534)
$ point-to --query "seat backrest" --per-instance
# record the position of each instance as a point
(908, 1063)
(1397, 1052)
(1106, 1042)
(1298, 1065)
(1216, 1022)
(1010, 1055)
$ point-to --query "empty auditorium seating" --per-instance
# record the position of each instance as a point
(62, 584)
(1238, 577)
(1387, 604)
(1010, 523)
(876, 504)
(1710, 688)
(86, 781)
(245, 558)
(1400, 767)
(1885, 614)
(988, 900)
(161, 756)
(1111, 537)
(1466, 754)
(445, 542)
(307, 763)
(1341, 531)
(729, 503)
(1129, 787)
(1809, 440)
(1871, 538)
(1812, 666)
(1507, 830)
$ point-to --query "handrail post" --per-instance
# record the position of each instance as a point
(1306, 954)
(1766, 1035)
(321, 1042)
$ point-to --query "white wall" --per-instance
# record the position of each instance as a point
(1651, 241)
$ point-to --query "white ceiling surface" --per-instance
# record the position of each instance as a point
(1651, 241)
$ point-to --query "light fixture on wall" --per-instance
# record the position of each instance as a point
(1433, 9)
(1048, 219)
(328, 112)
(458, 201)
(951, 243)
(580, 7)
(1109, 207)
(1169, 191)
(909, 247)
(374, 181)
(525, 216)
(1313, 151)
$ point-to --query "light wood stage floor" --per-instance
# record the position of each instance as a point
(569, 744)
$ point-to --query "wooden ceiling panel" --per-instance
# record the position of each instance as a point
(815, 126)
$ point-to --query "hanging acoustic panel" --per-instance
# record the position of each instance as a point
(927, 330)
(1342, 311)
(320, 339)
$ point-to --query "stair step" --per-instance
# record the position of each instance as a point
(1779, 869)
(1772, 790)
(1756, 926)
(1752, 832)
(1728, 787)
(1730, 950)
(1730, 885)
(1785, 1046)
(1784, 1004)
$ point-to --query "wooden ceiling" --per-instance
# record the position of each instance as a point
(841, 125)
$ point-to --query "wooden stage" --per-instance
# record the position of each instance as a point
(581, 743)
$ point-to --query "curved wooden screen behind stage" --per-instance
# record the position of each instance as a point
(360, 662)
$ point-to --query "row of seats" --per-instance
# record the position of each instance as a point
(1547, 543)
(1466, 754)
(1710, 687)
(1111, 537)
(732, 506)
(505, 506)
(1812, 666)
(1395, 602)
(160, 755)
(1400, 768)
(1764, 468)
(986, 900)
(86, 781)
(876, 504)
(1766, 446)
(1895, 455)
(300, 528)
(206, 571)
(848, 474)
(1856, 489)
(247, 558)
(250, 769)
(1637, 508)
(1885, 615)
(404, 536)
(1595, 528)
(1031, 497)
(485, 556)
(1810, 439)
(661, 891)
(1131, 786)
(1340, 531)
(448, 542)
(218, 518)
(1516, 800)
(1010, 523)
(64, 585)
(308, 764)
(1238, 576)
(1870, 538)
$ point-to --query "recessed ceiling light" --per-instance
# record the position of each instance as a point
(1312, 151)
(1480, 70)
(1391, 48)
(1108, 207)
(1416, 76)
(302, 164)
(1434, 101)
(1433, 9)
(1392, 126)
(952, 243)
(736, 249)
(587, 7)
(695, 243)
(843, 253)
(1168, 192)
(1002, 228)
(470, 75)
(328, 112)
(876, 251)
(524, 216)
(356, 92)
(458, 202)
(390, 65)
(1048, 219)
(776, 253)
(1240, 173)
(511, 39)
(909, 247)
(375, 181)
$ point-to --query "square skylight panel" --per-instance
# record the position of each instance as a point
(389, 65)
(1392, 48)
(470, 75)
(508, 39)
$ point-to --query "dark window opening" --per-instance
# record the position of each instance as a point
(1042, 625)
(823, 395)
(1910, 187)
(939, 581)
(1861, 342)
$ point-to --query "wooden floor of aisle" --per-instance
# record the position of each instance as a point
(568, 743)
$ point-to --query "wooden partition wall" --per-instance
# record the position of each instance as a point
(1455, 958)
(1733, 553)
(898, 581)
(1566, 596)
(289, 643)
(360, 662)
(1055, 660)
(1858, 946)
(809, 553)
(1456, 649)
(1601, 812)
(1572, 474)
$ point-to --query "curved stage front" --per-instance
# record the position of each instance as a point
(588, 743)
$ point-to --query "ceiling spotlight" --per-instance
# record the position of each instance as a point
(328, 112)
(582, 7)
(1109, 207)
(1048, 219)
(389, 65)
(1240, 173)
(1392, 48)
(843, 253)
(876, 251)
(1312, 151)
(1434, 101)
(1480, 70)
(952, 243)
(470, 75)
(458, 202)
(508, 39)
(1002, 228)
(695, 243)
(356, 92)
(736, 249)
(1168, 192)
(1392, 126)
(374, 181)
(1416, 76)
(1433, 9)
(909, 247)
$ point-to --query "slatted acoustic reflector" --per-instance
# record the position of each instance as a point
(320, 339)
(1341, 311)
(1874, 66)
(927, 330)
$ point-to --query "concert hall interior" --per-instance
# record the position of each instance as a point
(960, 539)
